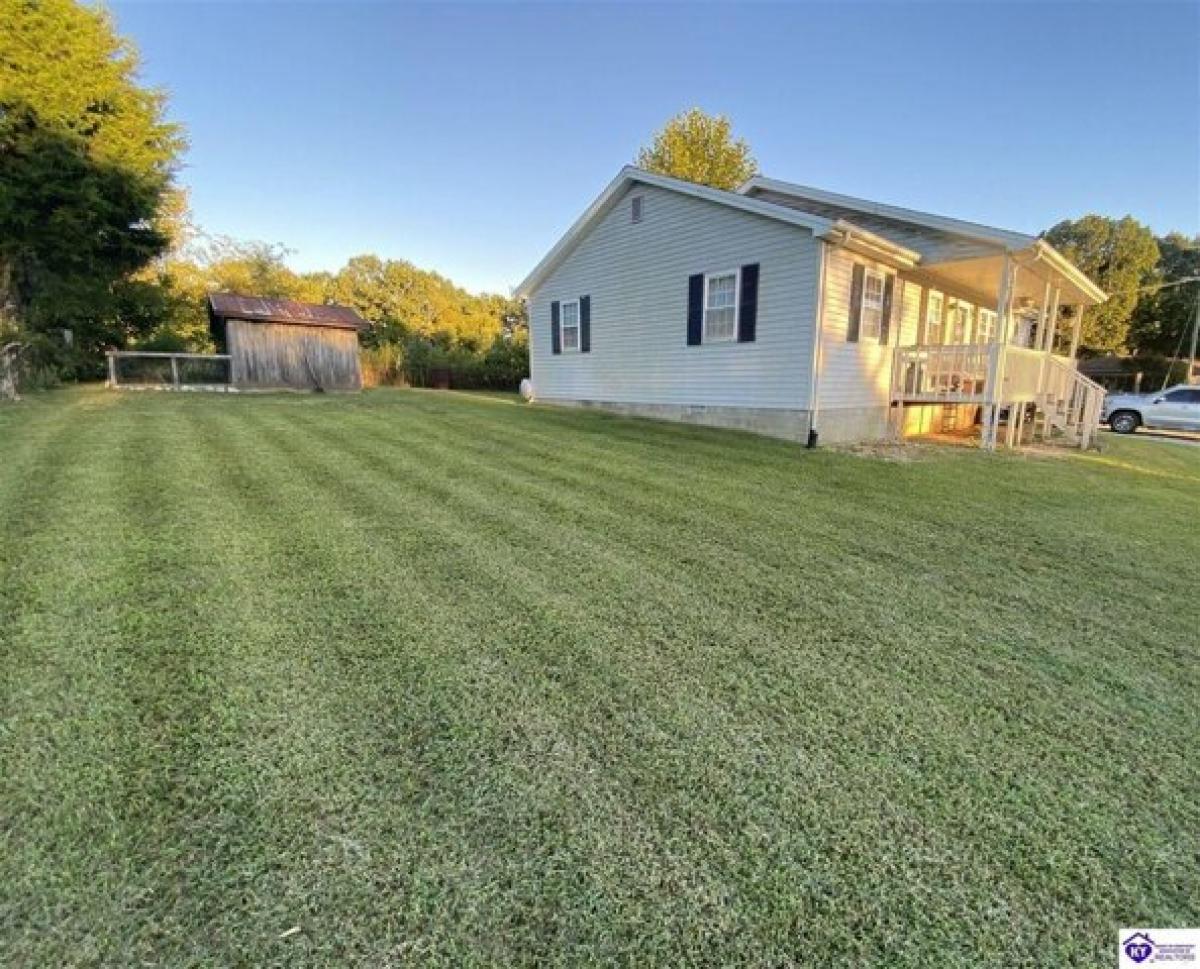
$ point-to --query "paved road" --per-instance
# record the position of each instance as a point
(1171, 437)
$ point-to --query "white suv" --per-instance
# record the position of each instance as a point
(1177, 409)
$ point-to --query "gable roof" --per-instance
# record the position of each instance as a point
(1003, 239)
(823, 228)
(265, 309)
(960, 227)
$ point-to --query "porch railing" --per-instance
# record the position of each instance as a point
(1068, 402)
(1071, 401)
(955, 373)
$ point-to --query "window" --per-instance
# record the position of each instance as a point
(1184, 396)
(870, 319)
(569, 325)
(933, 317)
(635, 208)
(720, 307)
(960, 322)
(985, 331)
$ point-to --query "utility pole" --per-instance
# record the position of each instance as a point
(1192, 375)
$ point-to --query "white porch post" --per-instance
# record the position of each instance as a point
(995, 377)
(1041, 345)
(1044, 322)
(1075, 331)
(1052, 322)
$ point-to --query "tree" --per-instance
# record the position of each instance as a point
(1120, 255)
(1163, 319)
(86, 160)
(699, 147)
(402, 300)
(171, 294)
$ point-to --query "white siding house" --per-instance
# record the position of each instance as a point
(797, 313)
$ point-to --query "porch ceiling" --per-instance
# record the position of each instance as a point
(981, 276)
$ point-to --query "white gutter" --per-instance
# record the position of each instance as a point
(843, 233)
(1064, 267)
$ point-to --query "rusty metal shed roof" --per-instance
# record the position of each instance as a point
(262, 309)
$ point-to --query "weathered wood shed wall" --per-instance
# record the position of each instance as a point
(298, 357)
(282, 344)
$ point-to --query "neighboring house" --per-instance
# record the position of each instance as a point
(795, 312)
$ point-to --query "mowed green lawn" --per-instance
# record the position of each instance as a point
(452, 680)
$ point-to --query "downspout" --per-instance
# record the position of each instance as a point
(814, 382)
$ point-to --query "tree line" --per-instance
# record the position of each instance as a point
(419, 321)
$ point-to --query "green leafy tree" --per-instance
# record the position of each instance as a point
(1162, 320)
(699, 147)
(1120, 255)
(174, 290)
(86, 162)
(401, 300)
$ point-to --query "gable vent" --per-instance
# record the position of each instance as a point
(635, 208)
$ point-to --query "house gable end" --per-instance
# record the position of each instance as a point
(648, 342)
(631, 178)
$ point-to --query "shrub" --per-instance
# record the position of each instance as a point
(422, 362)
(383, 365)
(501, 367)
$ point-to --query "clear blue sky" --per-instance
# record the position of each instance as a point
(466, 138)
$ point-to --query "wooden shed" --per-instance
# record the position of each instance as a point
(280, 343)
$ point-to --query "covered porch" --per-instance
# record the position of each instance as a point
(995, 344)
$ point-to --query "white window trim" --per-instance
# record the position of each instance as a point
(737, 306)
(562, 326)
(868, 272)
(940, 322)
(961, 306)
(992, 320)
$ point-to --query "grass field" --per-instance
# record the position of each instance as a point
(445, 680)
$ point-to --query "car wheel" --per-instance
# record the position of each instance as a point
(1124, 422)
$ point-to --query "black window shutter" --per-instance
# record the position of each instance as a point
(748, 308)
(885, 325)
(695, 320)
(856, 291)
(555, 336)
(585, 324)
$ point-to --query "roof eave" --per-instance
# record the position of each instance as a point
(872, 245)
(1010, 241)
(1066, 268)
(968, 230)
